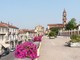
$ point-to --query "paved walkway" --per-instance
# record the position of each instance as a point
(8, 57)
(55, 49)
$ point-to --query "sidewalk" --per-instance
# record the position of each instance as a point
(55, 49)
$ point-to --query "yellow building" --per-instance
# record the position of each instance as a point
(39, 30)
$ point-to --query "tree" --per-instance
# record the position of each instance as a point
(56, 30)
(71, 24)
(53, 32)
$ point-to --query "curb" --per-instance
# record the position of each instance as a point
(38, 51)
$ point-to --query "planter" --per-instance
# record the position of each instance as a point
(51, 37)
(24, 59)
(37, 44)
(38, 47)
(76, 44)
(27, 49)
(38, 50)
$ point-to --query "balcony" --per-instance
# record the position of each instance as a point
(3, 33)
(7, 41)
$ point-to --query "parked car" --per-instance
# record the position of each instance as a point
(12, 49)
(6, 52)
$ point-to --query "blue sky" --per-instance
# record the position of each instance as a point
(29, 13)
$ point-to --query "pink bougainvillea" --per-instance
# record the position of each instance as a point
(27, 49)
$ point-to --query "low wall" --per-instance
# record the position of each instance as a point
(69, 32)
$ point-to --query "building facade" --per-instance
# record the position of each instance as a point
(8, 35)
(64, 17)
(26, 34)
(13, 34)
(39, 30)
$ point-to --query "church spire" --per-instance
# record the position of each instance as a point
(64, 11)
(64, 17)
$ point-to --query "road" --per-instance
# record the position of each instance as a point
(55, 49)
(8, 57)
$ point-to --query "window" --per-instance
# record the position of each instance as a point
(1, 37)
(0, 29)
(5, 29)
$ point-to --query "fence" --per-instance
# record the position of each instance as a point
(69, 32)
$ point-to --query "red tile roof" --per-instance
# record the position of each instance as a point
(2, 24)
(25, 31)
(56, 25)
(13, 26)
(32, 31)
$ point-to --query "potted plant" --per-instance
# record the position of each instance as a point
(75, 41)
(37, 40)
(52, 34)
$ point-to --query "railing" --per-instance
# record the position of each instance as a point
(3, 33)
(69, 32)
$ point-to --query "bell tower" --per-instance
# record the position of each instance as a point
(64, 17)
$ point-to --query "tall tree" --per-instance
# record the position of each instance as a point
(71, 24)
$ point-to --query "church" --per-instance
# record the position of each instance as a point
(61, 26)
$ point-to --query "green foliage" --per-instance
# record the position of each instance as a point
(71, 24)
(75, 38)
(53, 32)
(56, 30)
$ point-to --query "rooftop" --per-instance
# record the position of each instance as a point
(2, 24)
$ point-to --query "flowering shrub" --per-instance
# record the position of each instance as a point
(26, 49)
(75, 38)
(37, 38)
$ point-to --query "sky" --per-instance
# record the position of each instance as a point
(30, 13)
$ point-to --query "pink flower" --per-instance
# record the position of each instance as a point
(37, 38)
(26, 49)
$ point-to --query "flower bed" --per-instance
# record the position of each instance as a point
(37, 38)
(29, 50)
(22, 59)
(26, 50)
